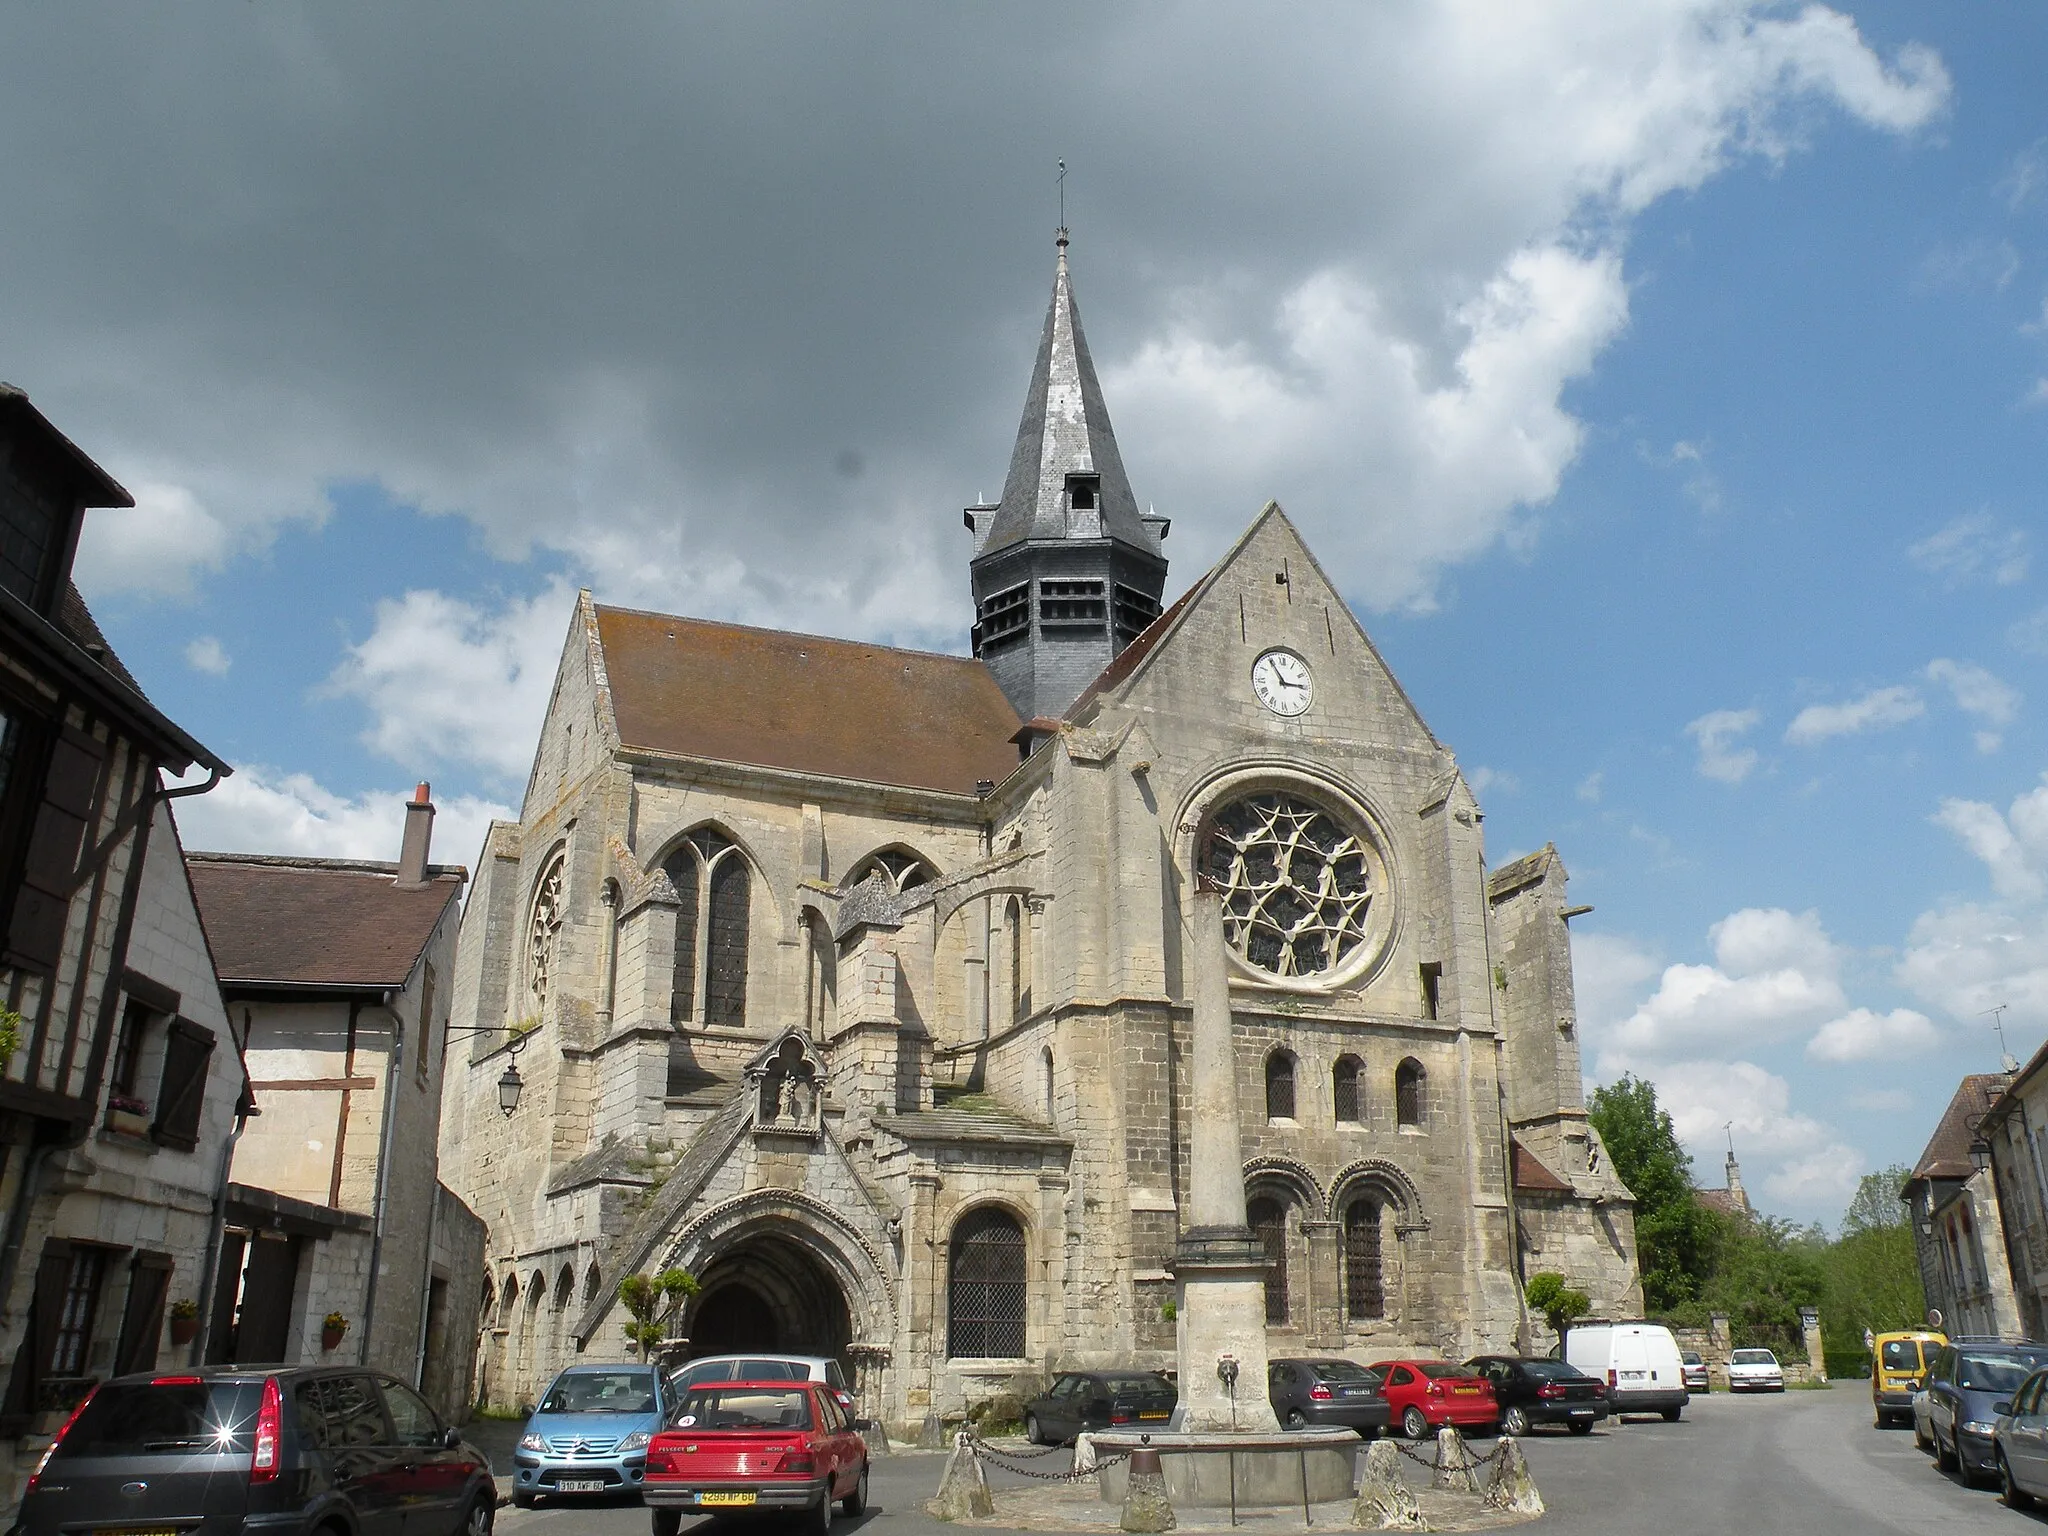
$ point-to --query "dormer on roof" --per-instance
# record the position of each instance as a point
(1066, 570)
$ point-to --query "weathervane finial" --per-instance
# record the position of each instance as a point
(1061, 238)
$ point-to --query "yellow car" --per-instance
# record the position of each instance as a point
(1898, 1366)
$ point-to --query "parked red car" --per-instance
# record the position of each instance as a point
(1425, 1395)
(772, 1446)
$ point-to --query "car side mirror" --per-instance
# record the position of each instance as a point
(450, 1439)
(2001, 1407)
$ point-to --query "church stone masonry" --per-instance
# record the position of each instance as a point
(856, 980)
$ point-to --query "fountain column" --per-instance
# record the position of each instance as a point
(1219, 1266)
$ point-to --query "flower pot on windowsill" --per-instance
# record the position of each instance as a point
(184, 1330)
(129, 1122)
(331, 1331)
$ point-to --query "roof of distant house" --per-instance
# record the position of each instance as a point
(834, 708)
(1948, 1150)
(317, 923)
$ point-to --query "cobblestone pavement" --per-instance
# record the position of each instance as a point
(1808, 1462)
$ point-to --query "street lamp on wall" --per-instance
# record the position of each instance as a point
(1980, 1154)
(510, 1084)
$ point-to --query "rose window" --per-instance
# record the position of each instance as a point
(1296, 883)
(540, 938)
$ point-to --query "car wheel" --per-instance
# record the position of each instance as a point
(2015, 1496)
(856, 1502)
(1295, 1419)
(1413, 1424)
(667, 1522)
(1946, 1459)
(1515, 1422)
(1031, 1429)
(1580, 1427)
(820, 1516)
(1920, 1441)
(521, 1499)
(1671, 1415)
(481, 1513)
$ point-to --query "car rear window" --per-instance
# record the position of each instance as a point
(1553, 1370)
(166, 1418)
(601, 1392)
(1753, 1357)
(715, 1408)
(1901, 1355)
(1442, 1370)
(1342, 1370)
(1134, 1386)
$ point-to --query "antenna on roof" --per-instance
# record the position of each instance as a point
(2006, 1060)
(1063, 197)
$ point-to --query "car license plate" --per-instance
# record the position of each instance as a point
(579, 1485)
(1155, 1415)
(726, 1499)
(1582, 1413)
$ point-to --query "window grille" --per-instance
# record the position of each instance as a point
(1279, 1086)
(1365, 1295)
(1296, 885)
(681, 868)
(1409, 1080)
(1344, 1093)
(725, 943)
(985, 1287)
(1268, 1219)
(75, 1316)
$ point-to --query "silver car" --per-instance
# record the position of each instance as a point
(821, 1368)
(2020, 1442)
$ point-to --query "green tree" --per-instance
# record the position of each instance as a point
(1766, 1270)
(1872, 1272)
(656, 1304)
(1678, 1240)
(1560, 1305)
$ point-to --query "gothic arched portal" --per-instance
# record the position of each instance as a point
(766, 1293)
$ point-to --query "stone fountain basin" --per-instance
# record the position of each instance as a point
(1270, 1466)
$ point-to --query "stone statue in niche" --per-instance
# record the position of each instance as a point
(789, 1090)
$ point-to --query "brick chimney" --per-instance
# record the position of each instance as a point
(419, 838)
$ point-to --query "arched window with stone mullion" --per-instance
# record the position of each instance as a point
(714, 892)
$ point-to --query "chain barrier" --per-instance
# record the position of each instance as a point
(1004, 1459)
(1429, 1460)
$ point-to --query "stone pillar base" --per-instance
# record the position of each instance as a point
(1221, 1276)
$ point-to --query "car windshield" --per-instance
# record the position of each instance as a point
(1441, 1370)
(601, 1392)
(1752, 1357)
(166, 1417)
(751, 1369)
(1901, 1355)
(1134, 1386)
(715, 1408)
(1553, 1370)
(1342, 1370)
(1994, 1373)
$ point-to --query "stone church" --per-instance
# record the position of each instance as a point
(851, 979)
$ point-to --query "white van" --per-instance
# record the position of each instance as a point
(1639, 1362)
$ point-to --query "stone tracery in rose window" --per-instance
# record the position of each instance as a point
(541, 932)
(1296, 881)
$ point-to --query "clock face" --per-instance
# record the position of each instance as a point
(1282, 682)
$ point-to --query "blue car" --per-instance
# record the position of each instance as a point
(589, 1435)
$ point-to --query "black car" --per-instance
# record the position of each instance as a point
(1957, 1415)
(1327, 1393)
(1532, 1392)
(259, 1448)
(1085, 1400)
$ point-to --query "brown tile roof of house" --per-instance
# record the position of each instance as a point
(316, 922)
(1948, 1150)
(1532, 1175)
(837, 708)
(1721, 1200)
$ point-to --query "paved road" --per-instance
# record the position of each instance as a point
(1808, 1462)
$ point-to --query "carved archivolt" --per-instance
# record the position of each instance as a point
(1285, 1170)
(1385, 1178)
(855, 1261)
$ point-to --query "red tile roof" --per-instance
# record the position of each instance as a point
(1948, 1150)
(316, 922)
(837, 708)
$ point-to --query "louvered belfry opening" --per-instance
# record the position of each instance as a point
(985, 1287)
(1365, 1295)
(1268, 1220)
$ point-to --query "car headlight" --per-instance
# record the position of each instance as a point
(636, 1441)
(1975, 1427)
(532, 1443)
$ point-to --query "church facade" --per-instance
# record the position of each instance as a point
(853, 980)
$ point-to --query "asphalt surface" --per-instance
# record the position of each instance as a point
(1806, 1462)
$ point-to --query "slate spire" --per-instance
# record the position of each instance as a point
(1066, 569)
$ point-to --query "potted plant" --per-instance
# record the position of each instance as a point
(184, 1321)
(331, 1330)
(127, 1114)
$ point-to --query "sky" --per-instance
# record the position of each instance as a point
(1665, 383)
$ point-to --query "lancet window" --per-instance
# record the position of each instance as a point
(714, 886)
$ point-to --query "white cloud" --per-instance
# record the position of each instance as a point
(1828, 1176)
(259, 810)
(1978, 692)
(1775, 975)
(1717, 733)
(1483, 779)
(2013, 846)
(1802, 1158)
(1973, 547)
(1861, 1035)
(2029, 634)
(158, 545)
(1877, 710)
(1966, 958)
(1591, 787)
(1610, 976)
(2027, 176)
(1970, 264)
(206, 654)
(448, 682)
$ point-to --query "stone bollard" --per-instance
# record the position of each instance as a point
(1512, 1489)
(1146, 1507)
(1453, 1463)
(1384, 1501)
(963, 1490)
(931, 1434)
